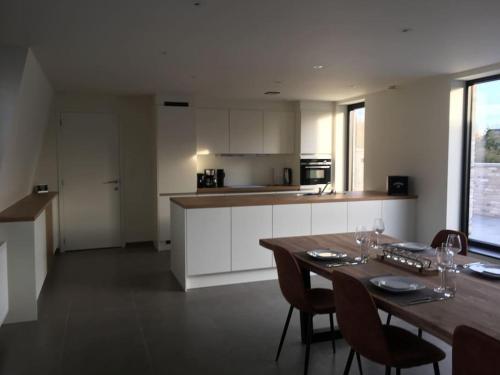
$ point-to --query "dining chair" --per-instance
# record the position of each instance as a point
(362, 328)
(442, 235)
(474, 352)
(310, 301)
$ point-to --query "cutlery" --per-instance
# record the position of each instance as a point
(467, 265)
(331, 265)
(426, 299)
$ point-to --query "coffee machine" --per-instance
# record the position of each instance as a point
(209, 178)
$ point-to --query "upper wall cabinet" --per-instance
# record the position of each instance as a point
(246, 132)
(315, 132)
(212, 131)
(279, 132)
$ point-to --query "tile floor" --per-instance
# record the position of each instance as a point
(120, 311)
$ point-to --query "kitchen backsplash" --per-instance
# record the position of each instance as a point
(251, 169)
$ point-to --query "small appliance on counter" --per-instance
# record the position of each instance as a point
(220, 177)
(287, 176)
(209, 178)
(397, 185)
(41, 189)
(200, 180)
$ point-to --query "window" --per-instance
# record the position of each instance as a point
(355, 158)
(481, 208)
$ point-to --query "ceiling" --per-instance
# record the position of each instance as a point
(240, 49)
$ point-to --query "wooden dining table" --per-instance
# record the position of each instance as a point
(476, 303)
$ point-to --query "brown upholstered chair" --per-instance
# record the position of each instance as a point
(361, 327)
(309, 301)
(442, 235)
(474, 352)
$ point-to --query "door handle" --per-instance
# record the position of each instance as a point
(112, 182)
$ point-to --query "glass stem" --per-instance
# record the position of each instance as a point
(443, 278)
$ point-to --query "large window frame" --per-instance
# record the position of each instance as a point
(349, 145)
(467, 145)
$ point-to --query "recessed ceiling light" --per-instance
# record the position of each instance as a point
(197, 3)
(272, 93)
(406, 30)
(278, 82)
(318, 67)
(392, 87)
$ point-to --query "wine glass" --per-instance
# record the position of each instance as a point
(454, 243)
(361, 237)
(444, 259)
(378, 227)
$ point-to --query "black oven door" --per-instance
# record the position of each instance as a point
(313, 175)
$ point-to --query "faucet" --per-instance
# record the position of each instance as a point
(321, 191)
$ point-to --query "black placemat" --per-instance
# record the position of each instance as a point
(416, 297)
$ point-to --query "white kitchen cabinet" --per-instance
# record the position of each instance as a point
(248, 226)
(315, 132)
(212, 131)
(246, 133)
(291, 220)
(329, 218)
(363, 213)
(208, 240)
(399, 218)
(176, 150)
(279, 132)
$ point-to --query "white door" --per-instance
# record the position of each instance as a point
(89, 181)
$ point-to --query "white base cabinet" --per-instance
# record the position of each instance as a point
(362, 213)
(248, 226)
(217, 246)
(329, 218)
(4, 283)
(209, 240)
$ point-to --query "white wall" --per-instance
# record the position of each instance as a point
(25, 99)
(135, 118)
(407, 132)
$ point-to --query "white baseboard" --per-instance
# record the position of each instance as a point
(228, 278)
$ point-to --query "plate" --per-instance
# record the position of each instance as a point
(326, 254)
(397, 284)
(411, 246)
(486, 270)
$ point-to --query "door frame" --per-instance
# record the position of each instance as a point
(59, 169)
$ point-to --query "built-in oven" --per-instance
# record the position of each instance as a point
(315, 171)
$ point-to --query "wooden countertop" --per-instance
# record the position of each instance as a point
(275, 199)
(28, 208)
(255, 189)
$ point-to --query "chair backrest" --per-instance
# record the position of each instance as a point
(358, 318)
(291, 280)
(474, 352)
(442, 235)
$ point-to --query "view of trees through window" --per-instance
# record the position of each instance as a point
(484, 193)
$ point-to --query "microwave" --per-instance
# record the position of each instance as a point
(315, 171)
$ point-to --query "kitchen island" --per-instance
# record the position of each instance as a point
(215, 239)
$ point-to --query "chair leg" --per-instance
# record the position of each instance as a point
(308, 341)
(388, 321)
(332, 328)
(387, 370)
(358, 359)
(398, 371)
(349, 362)
(285, 328)
(436, 368)
(420, 332)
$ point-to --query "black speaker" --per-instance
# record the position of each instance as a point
(397, 185)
